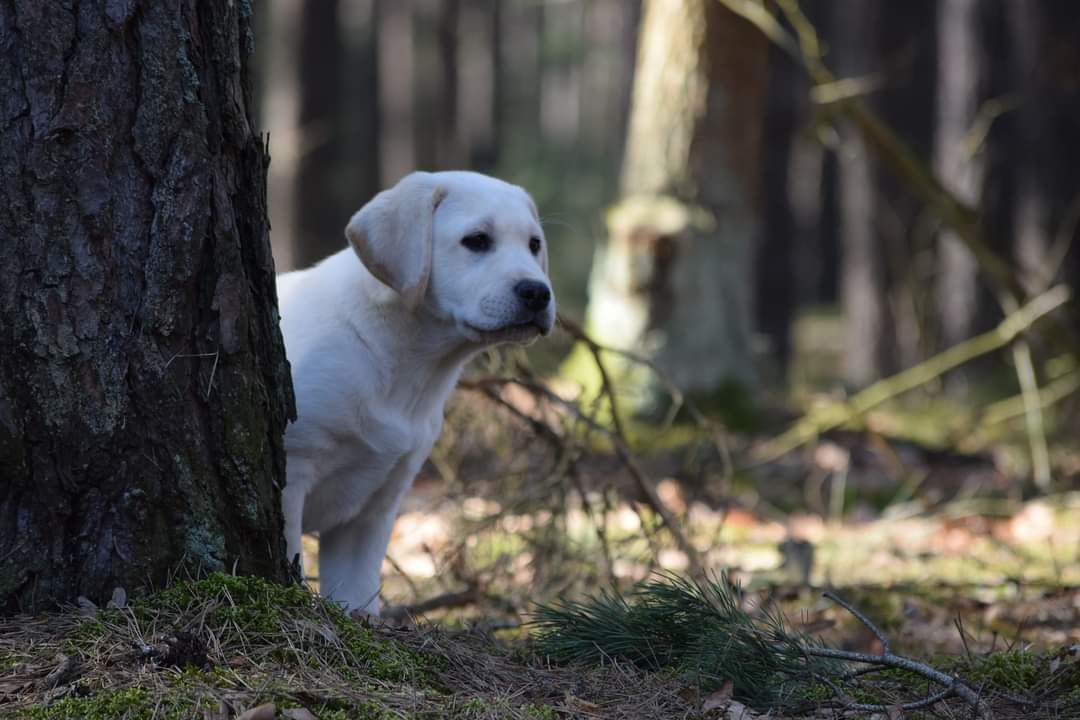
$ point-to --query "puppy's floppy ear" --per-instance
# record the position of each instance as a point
(393, 235)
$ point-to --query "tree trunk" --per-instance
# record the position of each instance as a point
(448, 149)
(337, 166)
(906, 46)
(320, 213)
(279, 62)
(436, 80)
(775, 285)
(957, 167)
(143, 384)
(478, 97)
(358, 168)
(518, 82)
(560, 74)
(861, 274)
(396, 62)
(674, 279)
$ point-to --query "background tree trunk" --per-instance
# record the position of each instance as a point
(337, 163)
(861, 274)
(477, 104)
(321, 211)
(143, 384)
(775, 283)
(358, 167)
(396, 63)
(675, 277)
(959, 170)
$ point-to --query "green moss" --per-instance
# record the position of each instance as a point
(540, 712)
(251, 608)
(474, 707)
(1015, 670)
(128, 704)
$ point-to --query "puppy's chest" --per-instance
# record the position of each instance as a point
(382, 455)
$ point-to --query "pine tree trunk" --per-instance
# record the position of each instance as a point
(674, 280)
(477, 82)
(358, 170)
(861, 273)
(957, 104)
(774, 258)
(143, 383)
(320, 215)
(396, 77)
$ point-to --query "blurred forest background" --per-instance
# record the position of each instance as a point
(721, 207)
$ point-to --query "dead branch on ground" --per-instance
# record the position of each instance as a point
(812, 425)
(952, 685)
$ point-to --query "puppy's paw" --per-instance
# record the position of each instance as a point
(364, 617)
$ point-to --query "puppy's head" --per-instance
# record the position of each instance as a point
(463, 246)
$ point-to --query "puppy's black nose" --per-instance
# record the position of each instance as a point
(534, 295)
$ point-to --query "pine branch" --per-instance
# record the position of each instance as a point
(700, 630)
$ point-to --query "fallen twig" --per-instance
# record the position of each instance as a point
(811, 426)
(952, 685)
(460, 598)
(1012, 407)
(622, 452)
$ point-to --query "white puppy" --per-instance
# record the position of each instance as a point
(440, 266)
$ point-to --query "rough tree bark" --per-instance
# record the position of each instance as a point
(674, 279)
(143, 384)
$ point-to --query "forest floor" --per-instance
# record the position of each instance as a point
(227, 647)
(930, 528)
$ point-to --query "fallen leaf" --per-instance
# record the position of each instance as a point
(719, 699)
(691, 694)
(267, 711)
(579, 704)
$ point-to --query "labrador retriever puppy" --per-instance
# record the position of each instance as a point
(438, 268)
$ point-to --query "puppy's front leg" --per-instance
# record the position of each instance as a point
(351, 555)
(299, 475)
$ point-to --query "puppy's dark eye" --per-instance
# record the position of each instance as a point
(534, 245)
(477, 242)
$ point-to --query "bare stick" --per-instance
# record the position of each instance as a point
(811, 426)
(678, 400)
(626, 457)
(461, 598)
(861, 618)
(850, 704)
(1033, 417)
(952, 684)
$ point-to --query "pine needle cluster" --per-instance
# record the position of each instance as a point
(696, 629)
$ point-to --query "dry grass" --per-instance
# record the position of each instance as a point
(221, 646)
